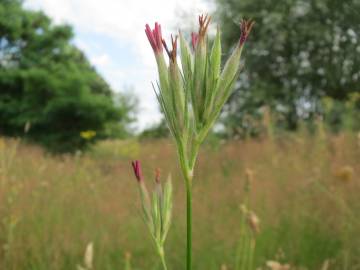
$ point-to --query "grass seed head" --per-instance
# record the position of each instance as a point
(345, 174)
(88, 257)
(254, 222)
(274, 265)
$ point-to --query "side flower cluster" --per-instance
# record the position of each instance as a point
(156, 209)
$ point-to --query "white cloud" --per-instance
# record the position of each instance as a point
(123, 22)
(102, 60)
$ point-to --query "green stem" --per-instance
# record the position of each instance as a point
(194, 154)
(187, 167)
(244, 251)
(188, 222)
(241, 246)
(252, 251)
(163, 262)
(162, 257)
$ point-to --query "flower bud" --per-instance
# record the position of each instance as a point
(245, 26)
(213, 74)
(157, 175)
(200, 62)
(144, 194)
(155, 39)
(176, 87)
(137, 170)
(158, 187)
(231, 69)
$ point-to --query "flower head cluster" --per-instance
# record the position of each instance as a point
(192, 98)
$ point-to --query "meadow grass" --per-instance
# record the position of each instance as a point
(305, 191)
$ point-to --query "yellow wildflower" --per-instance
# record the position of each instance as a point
(88, 134)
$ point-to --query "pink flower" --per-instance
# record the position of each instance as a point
(194, 39)
(137, 170)
(155, 38)
(245, 27)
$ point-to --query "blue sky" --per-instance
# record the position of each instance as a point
(111, 33)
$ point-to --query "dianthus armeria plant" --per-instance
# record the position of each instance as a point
(191, 97)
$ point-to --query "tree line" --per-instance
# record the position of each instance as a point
(302, 63)
(49, 92)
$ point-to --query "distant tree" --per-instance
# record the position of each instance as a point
(156, 131)
(299, 52)
(127, 105)
(47, 84)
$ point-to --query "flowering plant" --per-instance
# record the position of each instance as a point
(192, 96)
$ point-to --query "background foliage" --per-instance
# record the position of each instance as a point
(299, 53)
(48, 85)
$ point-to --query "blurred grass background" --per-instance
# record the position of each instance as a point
(305, 190)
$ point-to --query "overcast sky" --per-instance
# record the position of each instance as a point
(111, 33)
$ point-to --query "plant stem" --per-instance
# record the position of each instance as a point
(252, 251)
(188, 222)
(187, 166)
(163, 262)
(162, 257)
